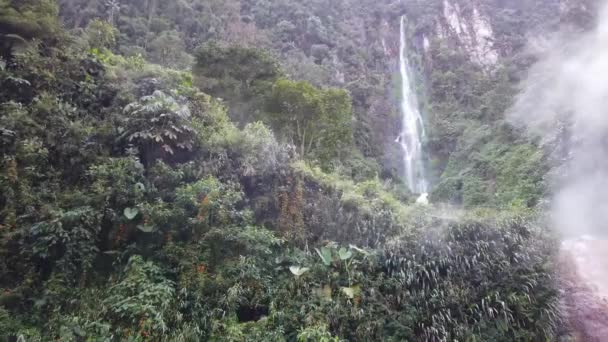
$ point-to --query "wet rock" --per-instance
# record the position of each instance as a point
(584, 287)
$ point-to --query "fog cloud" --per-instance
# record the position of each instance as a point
(565, 99)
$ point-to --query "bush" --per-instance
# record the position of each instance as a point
(143, 298)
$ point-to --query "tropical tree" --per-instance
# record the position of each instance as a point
(168, 49)
(29, 18)
(243, 76)
(157, 125)
(22, 20)
(317, 121)
(101, 34)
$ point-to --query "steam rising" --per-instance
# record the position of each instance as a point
(566, 98)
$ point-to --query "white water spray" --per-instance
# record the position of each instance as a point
(412, 130)
(567, 91)
(565, 98)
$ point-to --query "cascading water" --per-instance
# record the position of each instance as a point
(412, 130)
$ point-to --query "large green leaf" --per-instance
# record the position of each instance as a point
(140, 186)
(345, 254)
(325, 255)
(131, 213)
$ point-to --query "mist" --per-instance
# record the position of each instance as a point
(564, 101)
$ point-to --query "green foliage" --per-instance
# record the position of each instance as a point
(325, 255)
(243, 76)
(361, 213)
(132, 208)
(214, 202)
(168, 49)
(436, 273)
(316, 333)
(29, 19)
(473, 147)
(491, 171)
(10, 327)
(313, 41)
(317, 121)
(66, 240)
(158, 124)
(143, 297)
(115, 182)
(260, 150)
(101, 34)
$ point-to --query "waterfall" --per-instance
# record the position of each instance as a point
(412, 128)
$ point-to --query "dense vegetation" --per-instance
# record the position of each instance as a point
(217, 170)
(474, 154)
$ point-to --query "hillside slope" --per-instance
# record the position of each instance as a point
(226, 171)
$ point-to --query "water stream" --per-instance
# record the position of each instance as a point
(412, 128)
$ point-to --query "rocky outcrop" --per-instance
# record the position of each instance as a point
(469, 30)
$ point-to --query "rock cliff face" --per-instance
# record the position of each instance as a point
(469, 30)
(470, 57)
(486, 31)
